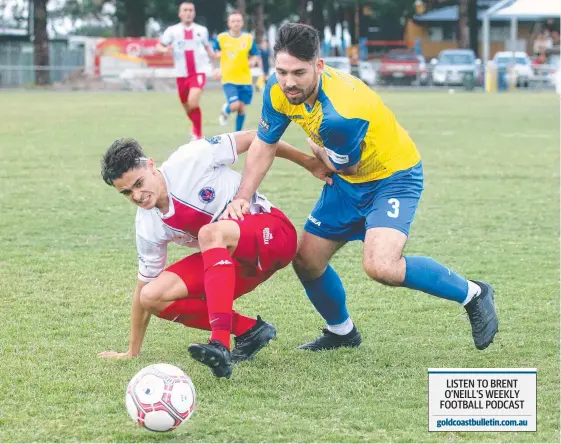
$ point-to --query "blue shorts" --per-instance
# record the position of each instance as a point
(243, 93)
(346, 210)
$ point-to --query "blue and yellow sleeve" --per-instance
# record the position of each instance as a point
(273, 123)
(253, 51)
(342, 139)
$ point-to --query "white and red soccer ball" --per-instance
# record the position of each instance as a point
(160, 397)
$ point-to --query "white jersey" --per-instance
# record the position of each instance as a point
(189, 48)
(200, 185)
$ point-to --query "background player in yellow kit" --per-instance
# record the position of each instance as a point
(238, 53)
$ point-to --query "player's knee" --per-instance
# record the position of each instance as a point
(235, 106)
(382, 271)
(305, 267)
(150, 296)
(211, 236)
(192, 104)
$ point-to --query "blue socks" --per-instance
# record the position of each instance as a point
(240, 119)
(427, 275)
(328, 296)
(226, 108)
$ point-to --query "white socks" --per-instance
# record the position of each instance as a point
(344, 328)
(473, 290)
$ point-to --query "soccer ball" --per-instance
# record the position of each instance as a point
(160, 397)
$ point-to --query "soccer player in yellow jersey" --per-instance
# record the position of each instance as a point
(238, 52)
(377, 184)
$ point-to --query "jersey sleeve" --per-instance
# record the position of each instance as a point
(152, 257)
(253, 51)
(223, 149)
(205, 35)
(167, 37)
(273, 123)
(216, 44)
(342, 139)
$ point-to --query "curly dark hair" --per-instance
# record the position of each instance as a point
(298, 40)
(121, 156)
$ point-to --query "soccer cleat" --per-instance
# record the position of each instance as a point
(214, 355)
(331, 341)
(482, 316)
(223, 117)
(253, 340)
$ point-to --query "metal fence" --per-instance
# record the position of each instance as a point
(17, 65)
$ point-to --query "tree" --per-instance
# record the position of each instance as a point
(303, 11)
(241, 6)
(40, 42)
(259, 20)
(473, 26)
(463, 24)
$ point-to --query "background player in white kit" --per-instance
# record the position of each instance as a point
(181, 202)
(192, 55)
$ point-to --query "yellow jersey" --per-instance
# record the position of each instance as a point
(234, 57)
(349, 120)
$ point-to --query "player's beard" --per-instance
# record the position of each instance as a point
(305, 93)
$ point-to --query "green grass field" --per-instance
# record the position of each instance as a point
(490, 210)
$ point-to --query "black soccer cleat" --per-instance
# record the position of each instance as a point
(483, 316)
(253, 340)
(331, 341)
(214, 355)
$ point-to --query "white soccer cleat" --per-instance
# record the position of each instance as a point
(223, 117)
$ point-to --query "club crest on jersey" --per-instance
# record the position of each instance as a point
(214, 140)
(207, 195)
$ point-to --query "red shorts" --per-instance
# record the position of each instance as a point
(267, 243)
(184, 84)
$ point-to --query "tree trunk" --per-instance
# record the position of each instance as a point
(259, 20)
(240, 6)
(462, 28)
(316, 17)
(473, 26)
(41, 41)
(135, 18)
(303, 11)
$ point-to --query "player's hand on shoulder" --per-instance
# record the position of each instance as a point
(115, 355)
(320, 170)
(236, 209)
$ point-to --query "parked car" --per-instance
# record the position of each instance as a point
(522, 66)
(453, 65)
(399, 66)
(363, 70)
(367, 73)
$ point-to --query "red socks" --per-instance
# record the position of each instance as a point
(220, 280)
(197, 119)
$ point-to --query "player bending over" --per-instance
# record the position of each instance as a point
(180, 203)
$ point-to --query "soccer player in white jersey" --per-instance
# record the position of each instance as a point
(192, 56)
(180, 202)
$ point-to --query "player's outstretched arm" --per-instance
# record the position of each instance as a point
(288, 152)
(139, 323)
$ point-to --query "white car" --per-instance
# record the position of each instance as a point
(453, 65)
(364, 71)
(522, 66)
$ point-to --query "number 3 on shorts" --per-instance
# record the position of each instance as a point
(395, 206)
